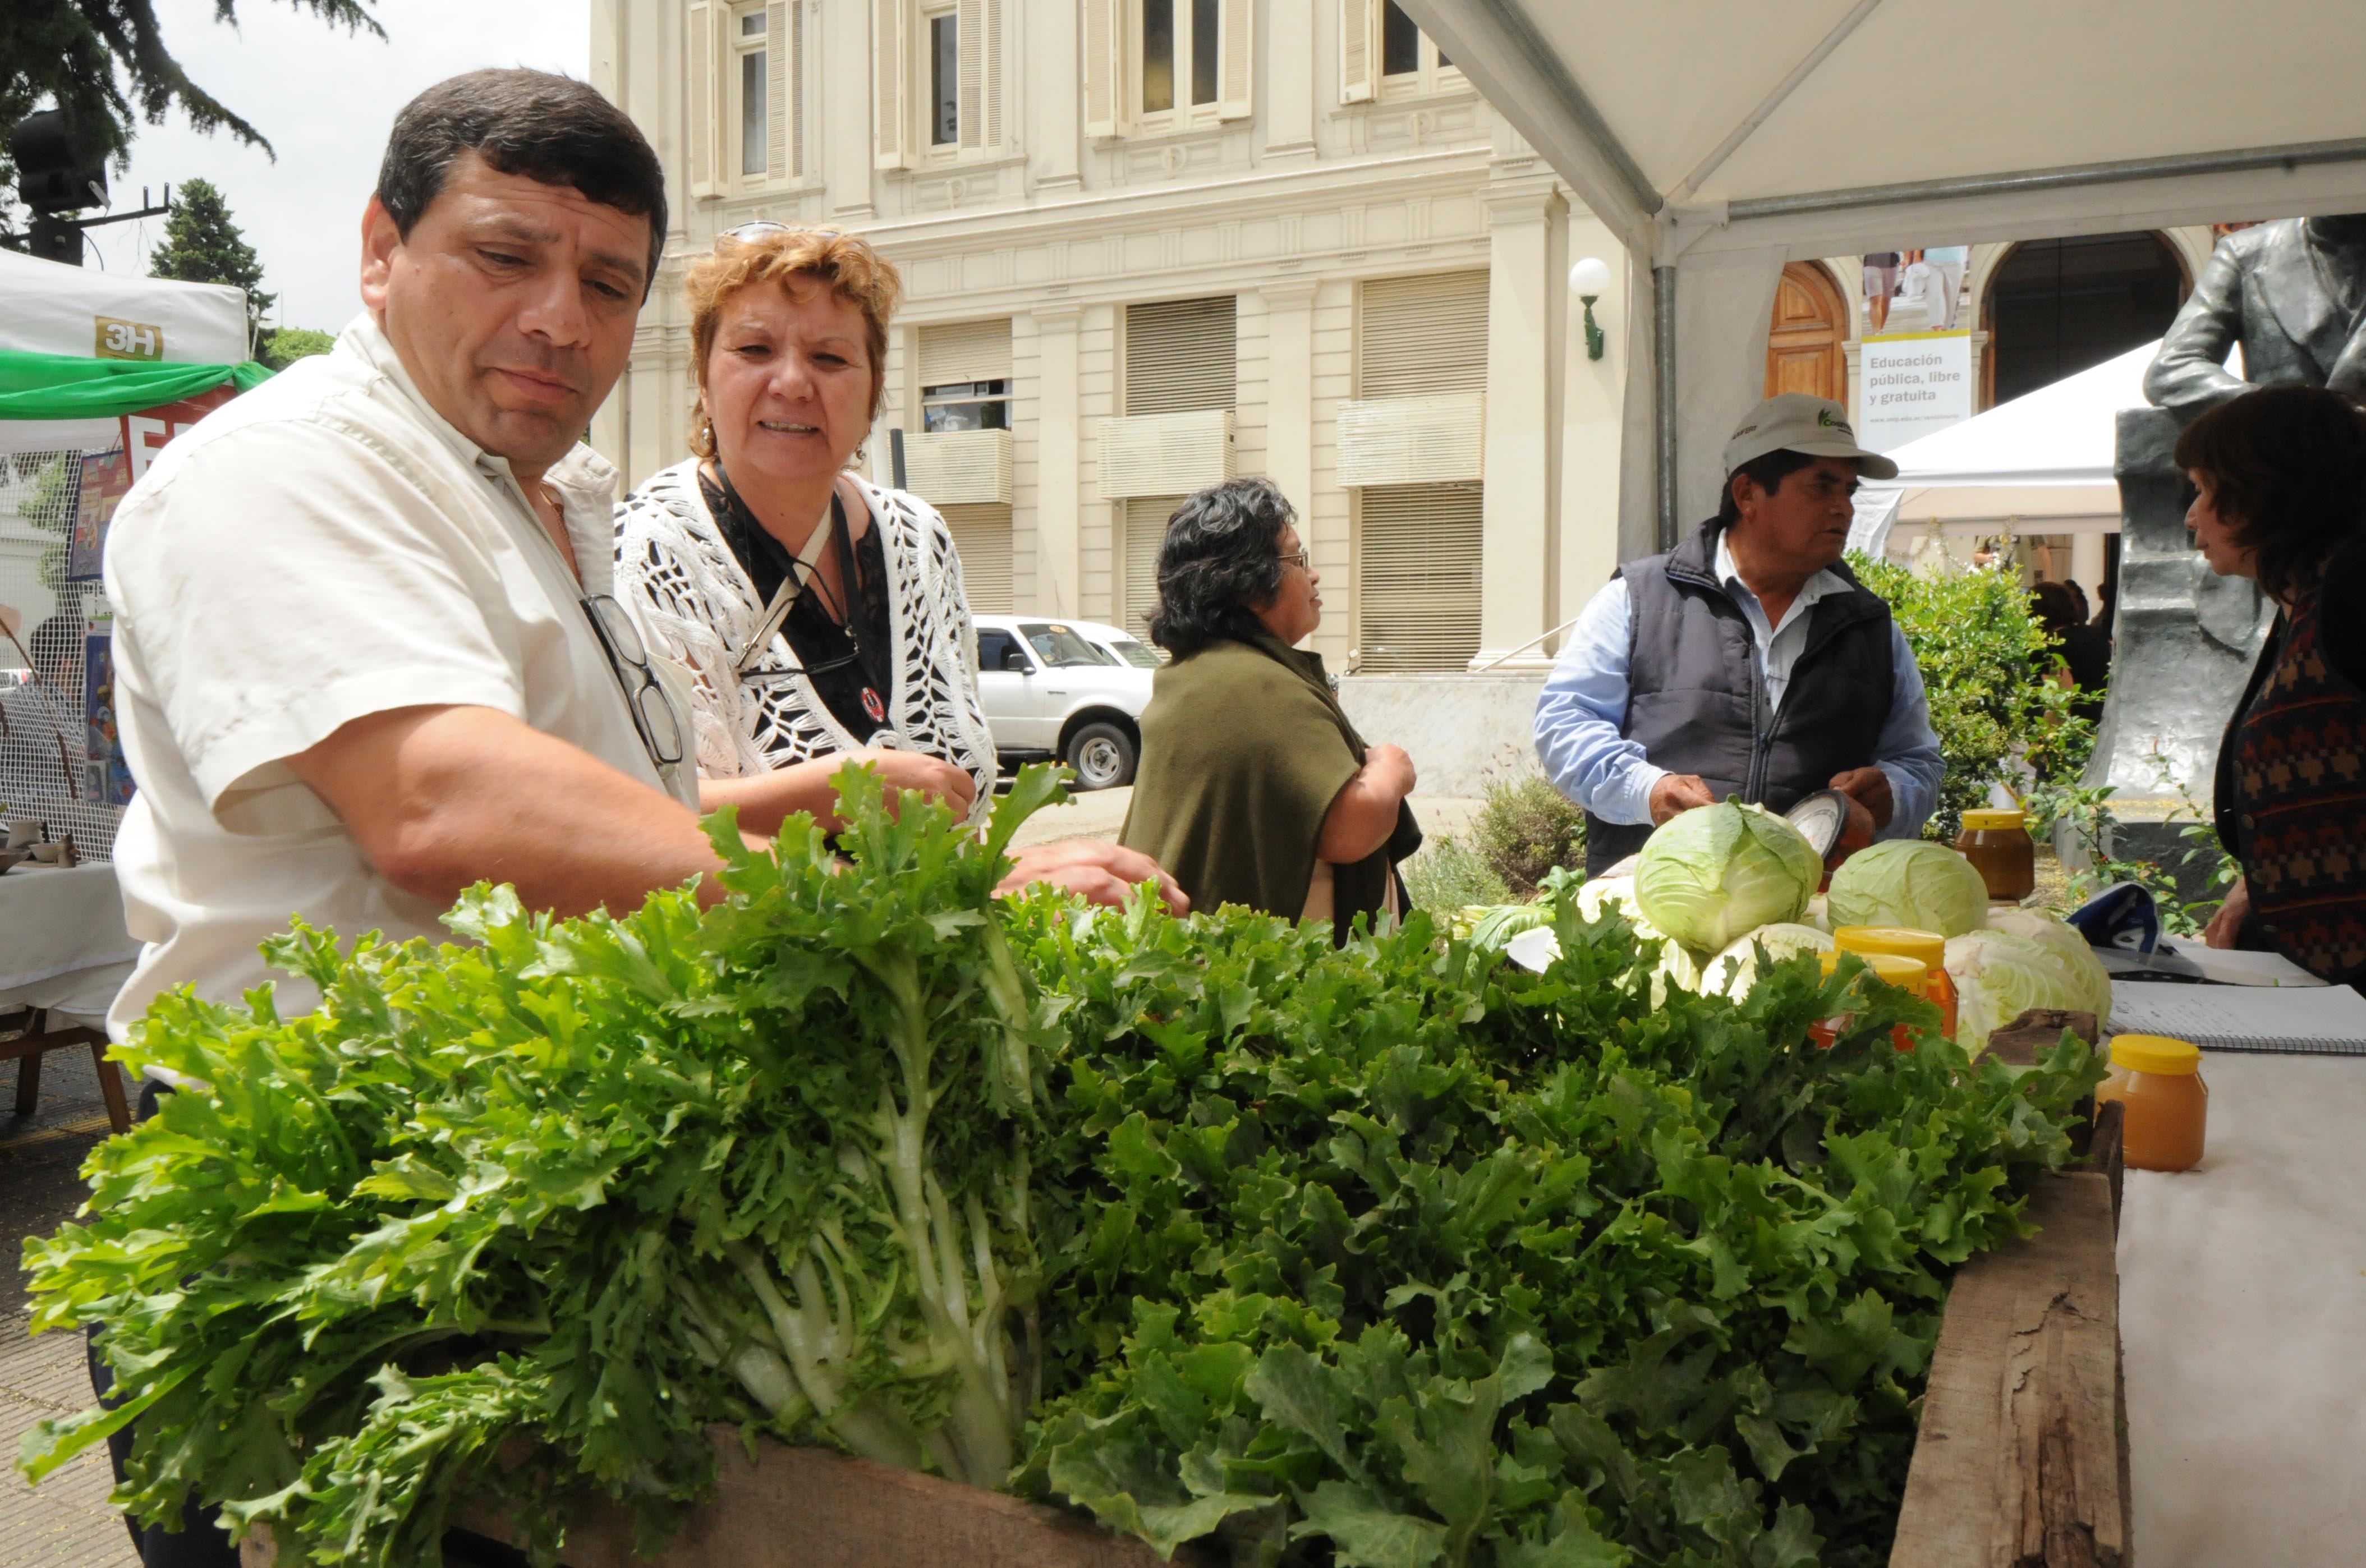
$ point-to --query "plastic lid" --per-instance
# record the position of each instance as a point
(1909, 975)
(1988, 819)
(2156, 1053)
(1928, 948)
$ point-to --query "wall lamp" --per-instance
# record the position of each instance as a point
(1589, 279)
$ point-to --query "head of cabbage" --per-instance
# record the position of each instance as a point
(1998, 974)
(1709, 874)
(1733, 972)
(1909, 881)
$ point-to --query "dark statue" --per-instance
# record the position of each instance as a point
(2293, 295)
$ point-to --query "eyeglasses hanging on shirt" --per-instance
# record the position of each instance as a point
(660, 727)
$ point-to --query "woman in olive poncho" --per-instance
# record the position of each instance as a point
(1253, 787)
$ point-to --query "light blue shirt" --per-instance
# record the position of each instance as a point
(1583, 706)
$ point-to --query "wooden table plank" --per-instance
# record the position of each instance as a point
(2020, 1462)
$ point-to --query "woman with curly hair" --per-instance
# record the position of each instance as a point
(821, 616)
(1253, 788)
(2280, 482)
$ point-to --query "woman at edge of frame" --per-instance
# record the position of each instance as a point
(2280, 480)
(1253, 788)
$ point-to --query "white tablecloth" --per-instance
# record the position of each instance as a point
(63, 944)
(2242, 1317)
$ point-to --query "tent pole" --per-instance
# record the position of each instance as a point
(2069, 177)
(1664, 401)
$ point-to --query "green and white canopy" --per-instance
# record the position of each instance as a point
(80, 348)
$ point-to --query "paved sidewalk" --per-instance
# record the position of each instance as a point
(64, 1522)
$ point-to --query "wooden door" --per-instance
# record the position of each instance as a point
(1807, 344)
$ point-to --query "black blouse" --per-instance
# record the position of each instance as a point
(823, 648)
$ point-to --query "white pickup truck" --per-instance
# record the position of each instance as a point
(1070, 690)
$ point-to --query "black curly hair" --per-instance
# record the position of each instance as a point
(1220, 560)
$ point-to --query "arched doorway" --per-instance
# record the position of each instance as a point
(1807, 344)
(2054, 307)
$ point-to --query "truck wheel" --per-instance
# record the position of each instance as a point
(1102, 757)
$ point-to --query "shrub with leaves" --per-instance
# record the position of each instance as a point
(1526, 828)
(1986, 662)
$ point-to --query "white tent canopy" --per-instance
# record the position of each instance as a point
(1721, 139)
(2041, 463)
(49, 307)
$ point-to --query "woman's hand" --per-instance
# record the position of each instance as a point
(766, 800)
(2227, 923)
(1099, 873)
(1364, 813)
(901, 770)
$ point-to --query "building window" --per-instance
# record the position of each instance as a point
(1384, 53)
(756, 110)
(1180, 59)
(741, 94)
(944, 80)
(966, 405)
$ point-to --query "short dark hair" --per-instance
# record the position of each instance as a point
(1222, 558)
(2287, 471)
(59, 638)
(1767, 473)
(535, 124)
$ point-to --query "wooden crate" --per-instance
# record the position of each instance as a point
(798, 1507)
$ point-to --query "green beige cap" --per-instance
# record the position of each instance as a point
(1800, 422)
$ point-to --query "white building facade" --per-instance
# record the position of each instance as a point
(1148, 244)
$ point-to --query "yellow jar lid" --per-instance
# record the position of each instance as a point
(1987, 819)
(1928, 948)
(1908, 974)
(2156, 1053)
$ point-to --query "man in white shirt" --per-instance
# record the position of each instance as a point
(362, 649)
(359, 632)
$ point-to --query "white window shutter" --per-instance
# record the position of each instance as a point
(965, 351)
(981, 532)
(890, 73)
(1182, 354)
(1104, 67)
(1418, 578)
(1359, 48)
(1422, 335)
(1145, 522)
(779, 73)
(1236, 33)
(703, 103)
(971, 87)
(990, 45)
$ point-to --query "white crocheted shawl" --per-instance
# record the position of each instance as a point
(687, 593)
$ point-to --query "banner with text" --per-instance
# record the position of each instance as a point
(1913, 384)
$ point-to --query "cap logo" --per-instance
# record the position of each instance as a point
(1824, 419)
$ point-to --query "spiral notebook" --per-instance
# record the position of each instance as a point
(2328, 1020)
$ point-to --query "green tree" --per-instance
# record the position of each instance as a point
(203, 245)
(1989, 669)
(105, 64)
(283, 347)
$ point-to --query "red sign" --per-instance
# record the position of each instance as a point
(145, 433)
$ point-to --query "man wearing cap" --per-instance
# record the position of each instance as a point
(1747, 661)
